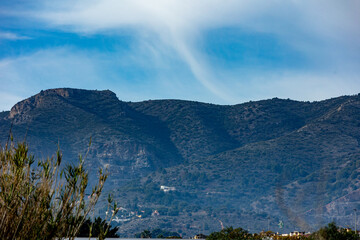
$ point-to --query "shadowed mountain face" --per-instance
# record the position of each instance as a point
(248, 165)
(134, 143)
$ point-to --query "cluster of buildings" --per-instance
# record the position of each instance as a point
(295, 234)
(269, 235)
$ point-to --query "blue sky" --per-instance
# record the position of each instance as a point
(223, 52)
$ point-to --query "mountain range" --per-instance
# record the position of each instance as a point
(251, 165)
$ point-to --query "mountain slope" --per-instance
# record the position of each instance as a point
(71, 117)
(244, 165)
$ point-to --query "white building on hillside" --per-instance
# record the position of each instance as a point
(167, 189)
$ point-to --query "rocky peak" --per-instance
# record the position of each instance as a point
(53, 96)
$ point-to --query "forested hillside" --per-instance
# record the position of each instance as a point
(248, 165)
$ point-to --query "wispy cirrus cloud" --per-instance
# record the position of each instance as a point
(12, 36)
(324, 31)
(127, 74)
(178, 49)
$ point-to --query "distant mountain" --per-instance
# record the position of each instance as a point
(248, 165)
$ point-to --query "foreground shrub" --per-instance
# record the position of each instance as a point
(42, 202)
(158, 233)
(97, 228)
(230, 233)
(333, 232)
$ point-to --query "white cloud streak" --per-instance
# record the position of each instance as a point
(12, 36)
(290, 18)
(324, 30)
(24, 76)
(179, 23)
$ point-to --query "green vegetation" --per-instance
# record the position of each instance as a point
(329, 232)
(43, 201)
(227, 163)
(98, 228)
(230, 233)
(333, 232)
(158, 233)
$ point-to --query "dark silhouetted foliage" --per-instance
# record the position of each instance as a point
(97, 227)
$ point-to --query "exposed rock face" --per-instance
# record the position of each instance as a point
(243, 164)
